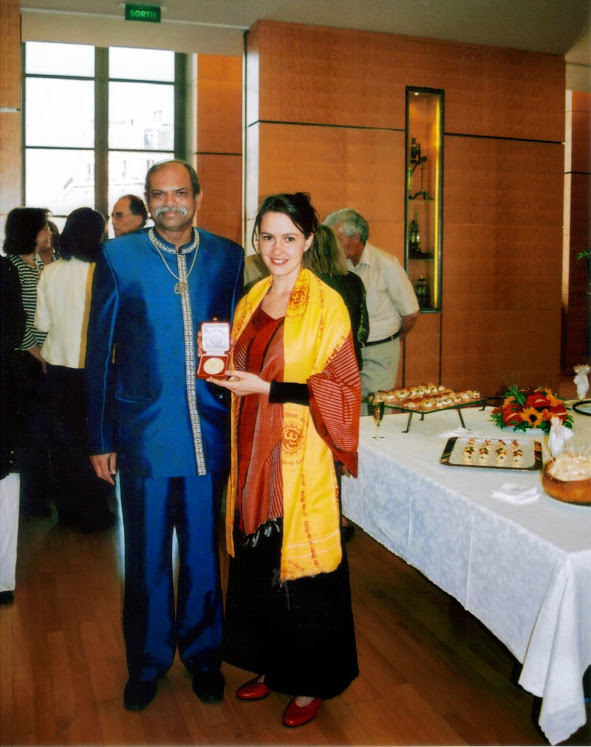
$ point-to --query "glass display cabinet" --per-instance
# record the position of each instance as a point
(424, 181)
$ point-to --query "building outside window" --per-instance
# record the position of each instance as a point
(95, 120)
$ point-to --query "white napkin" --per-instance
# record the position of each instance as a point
(515, 493)
(581, 380)
(460, 433)
(559, 435)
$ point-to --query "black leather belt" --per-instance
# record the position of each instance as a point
(386, 339)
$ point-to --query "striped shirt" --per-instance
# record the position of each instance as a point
(29, 277)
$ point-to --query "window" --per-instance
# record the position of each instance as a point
(90, 137)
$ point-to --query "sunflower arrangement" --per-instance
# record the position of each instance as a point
(530, 408)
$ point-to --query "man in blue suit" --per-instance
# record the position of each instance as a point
(164, 430)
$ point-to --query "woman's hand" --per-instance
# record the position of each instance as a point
(242, 383)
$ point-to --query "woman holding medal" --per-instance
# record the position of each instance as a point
(295, 411)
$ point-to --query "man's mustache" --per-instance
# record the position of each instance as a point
(170, 209)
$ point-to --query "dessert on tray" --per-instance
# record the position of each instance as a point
(427, 398)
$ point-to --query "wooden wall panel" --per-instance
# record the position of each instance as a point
(219, 144)
(496, 182)
(502, 267)
(219, 103)
(220, 211)
(581, 141)
(421, 354)
(10, 161)
(490, 349)
(576, 302)
(502, 255)
(10, 98)
(336, 165)
(502, 226)
(357, 78)
(10, 59)
(580, 107)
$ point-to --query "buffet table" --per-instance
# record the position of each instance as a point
(523, 570)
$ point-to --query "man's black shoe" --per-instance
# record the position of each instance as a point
(209, 686)
(139, 693)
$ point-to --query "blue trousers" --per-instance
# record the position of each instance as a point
(152, 510)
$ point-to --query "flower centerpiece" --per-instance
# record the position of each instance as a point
(530, 408)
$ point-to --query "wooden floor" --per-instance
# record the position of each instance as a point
(430, 673)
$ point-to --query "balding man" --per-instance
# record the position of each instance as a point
(164, 429)
(391, 301)
(129, 214)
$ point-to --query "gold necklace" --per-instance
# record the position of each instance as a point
(181, 286)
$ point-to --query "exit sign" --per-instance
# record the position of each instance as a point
(149, 13)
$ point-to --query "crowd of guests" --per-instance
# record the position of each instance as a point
(46, 289)
(100, 344)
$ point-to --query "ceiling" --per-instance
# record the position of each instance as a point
(216, 26)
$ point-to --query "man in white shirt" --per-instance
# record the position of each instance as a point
(391, 301)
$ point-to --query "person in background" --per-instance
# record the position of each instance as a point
(166, 430)
(129, 214)
(12, 329)
(63, 304)
(254, 270)
(26, 234)
(295, 411)
(391, 301)
(49, 253)
(327, 260)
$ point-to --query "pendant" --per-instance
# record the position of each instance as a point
(181, 287)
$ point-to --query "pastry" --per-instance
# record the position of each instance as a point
(468, 453)
(501, 453)
(484, 452)
(517, 455)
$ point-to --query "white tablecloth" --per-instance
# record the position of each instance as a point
(523, 570)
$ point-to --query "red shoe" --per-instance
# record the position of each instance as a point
(295, 715)
(252, 690)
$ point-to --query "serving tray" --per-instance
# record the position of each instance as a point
(454, 448)
(480, 403)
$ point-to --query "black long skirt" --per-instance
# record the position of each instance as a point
(299, 634)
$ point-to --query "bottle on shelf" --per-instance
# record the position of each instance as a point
(414, 237)
(415, 152)
(423, 293)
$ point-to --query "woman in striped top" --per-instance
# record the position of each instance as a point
(28, 233)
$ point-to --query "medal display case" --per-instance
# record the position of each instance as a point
(215, 342)
(424, 169)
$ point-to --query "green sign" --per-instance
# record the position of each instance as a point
(149, 13)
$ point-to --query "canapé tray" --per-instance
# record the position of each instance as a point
(428, 398)
(486, 453)
(481, 403)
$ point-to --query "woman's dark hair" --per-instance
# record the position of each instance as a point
(296, 206)
(325, 256)
(22, 228)
(82, 234)
(55, 236)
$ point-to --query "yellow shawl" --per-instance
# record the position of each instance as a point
(316, 325)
